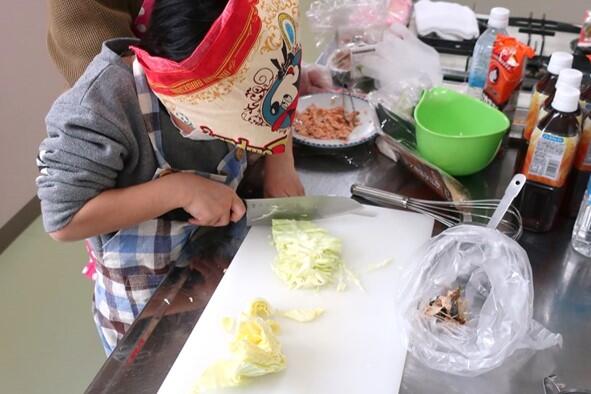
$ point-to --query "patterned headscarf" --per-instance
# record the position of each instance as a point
(241, 83)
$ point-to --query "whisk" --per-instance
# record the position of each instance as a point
(448, 213)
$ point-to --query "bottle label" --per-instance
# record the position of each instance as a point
(583, 159)
(534, 115)
(549, 158)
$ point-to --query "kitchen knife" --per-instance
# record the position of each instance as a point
(264, 210)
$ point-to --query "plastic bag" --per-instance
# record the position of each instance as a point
(494, 277)
(400, 11)
(394, 66)
(347, 21)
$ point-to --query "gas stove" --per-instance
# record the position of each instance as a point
(543, 35)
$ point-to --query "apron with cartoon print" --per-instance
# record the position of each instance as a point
(241, 83)
(134, 261)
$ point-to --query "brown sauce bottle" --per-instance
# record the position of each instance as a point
(545, 87)
(549, 160)
(579, 176)
(568, 77)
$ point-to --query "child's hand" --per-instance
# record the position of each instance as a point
(283, 183)
(210, 203)
(281, 178)
(316, 79)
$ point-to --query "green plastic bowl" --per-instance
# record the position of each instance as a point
(458, 133)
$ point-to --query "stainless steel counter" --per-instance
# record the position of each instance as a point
(562, 281)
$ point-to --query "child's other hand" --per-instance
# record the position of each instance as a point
(210, 203)
(281, 179)
(316, 79)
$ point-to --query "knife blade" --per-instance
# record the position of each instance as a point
(264, 210)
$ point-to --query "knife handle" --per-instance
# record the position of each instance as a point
(379, 196)
(178, 214)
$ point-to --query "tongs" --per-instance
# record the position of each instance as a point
(348, 93)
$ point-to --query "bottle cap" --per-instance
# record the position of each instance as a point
(559, 61)
(570, 77)
(566, 99)
(498, 18)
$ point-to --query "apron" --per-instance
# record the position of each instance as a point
(241, 82)
(134, 261)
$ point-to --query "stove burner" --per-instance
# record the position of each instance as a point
(530, 26)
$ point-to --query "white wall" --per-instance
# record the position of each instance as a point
(29, 83)
(561, 10)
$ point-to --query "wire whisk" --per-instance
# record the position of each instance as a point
(448, 213)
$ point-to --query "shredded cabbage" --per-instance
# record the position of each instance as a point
(380, 265)
(307, 255)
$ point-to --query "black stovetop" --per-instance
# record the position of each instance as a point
(530, 26)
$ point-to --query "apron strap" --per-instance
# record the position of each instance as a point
(150, 107)
(230, 169)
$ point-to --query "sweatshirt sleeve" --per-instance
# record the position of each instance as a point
(81, 157)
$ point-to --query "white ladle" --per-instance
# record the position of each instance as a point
(511, 192)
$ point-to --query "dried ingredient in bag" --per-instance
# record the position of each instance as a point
(448, 308)
(488, 277)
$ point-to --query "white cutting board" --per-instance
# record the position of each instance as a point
(355, 347)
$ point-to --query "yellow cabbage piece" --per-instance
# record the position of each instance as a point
(254, 351)
(380, 265)
(260, 308)
(255, 343)
(221, 374)
(275, 327)
(228, 323)
(303, 315)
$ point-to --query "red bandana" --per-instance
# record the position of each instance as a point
(241, 83)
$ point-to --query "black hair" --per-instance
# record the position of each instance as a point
(178, 26)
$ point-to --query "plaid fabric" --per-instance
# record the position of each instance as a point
(134, 261)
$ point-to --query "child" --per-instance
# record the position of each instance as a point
(139, 136)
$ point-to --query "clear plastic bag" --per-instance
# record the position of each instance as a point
(400, 11)
(347, 21)
(494, 276)
(393, 65)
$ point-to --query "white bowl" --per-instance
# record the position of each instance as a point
(364, 132)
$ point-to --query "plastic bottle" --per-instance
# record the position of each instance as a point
(545, 88)
(581, 240)
(497, 24)
(582, 167)
(549, 160)
(568, 77)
